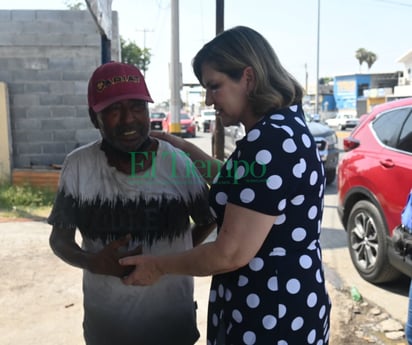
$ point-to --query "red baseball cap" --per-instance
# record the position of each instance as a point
(116, 81)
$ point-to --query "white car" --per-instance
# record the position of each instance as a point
(342, 121)
(206, 117)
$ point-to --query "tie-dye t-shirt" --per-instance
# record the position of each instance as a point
(155, 207)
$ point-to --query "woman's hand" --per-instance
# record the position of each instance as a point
(146, 270)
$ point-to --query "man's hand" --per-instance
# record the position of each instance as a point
(107, 260)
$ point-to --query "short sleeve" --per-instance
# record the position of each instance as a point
(269, 165)
(64, 210)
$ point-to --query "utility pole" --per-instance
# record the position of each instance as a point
(174, 71)
(219, 132)
(144, 48)
(306, 78)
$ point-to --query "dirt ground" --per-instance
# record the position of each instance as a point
(41, 301)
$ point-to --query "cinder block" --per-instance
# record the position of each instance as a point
(38, 112)
(27, 124)
(5, 16)
(50, 99)
(64, 135)
(23, 15)
(63, 111)
(25, 100)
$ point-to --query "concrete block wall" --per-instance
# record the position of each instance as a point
(46, 59)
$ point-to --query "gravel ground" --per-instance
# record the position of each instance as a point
(41, 299)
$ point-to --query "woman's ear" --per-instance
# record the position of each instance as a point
(249, 75)
(93, 118)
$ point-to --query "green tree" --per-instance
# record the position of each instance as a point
(363, 55)
(325, 80)
(75, 5)
(360, 55)
(370, 59)
(133, 54)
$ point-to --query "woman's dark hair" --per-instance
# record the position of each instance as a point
(235, 49)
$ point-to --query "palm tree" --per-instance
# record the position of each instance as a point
(370, 59)
(361, 55)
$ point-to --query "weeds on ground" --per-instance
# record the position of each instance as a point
(25, 201)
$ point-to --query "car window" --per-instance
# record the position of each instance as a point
(184, 116)
(209, 113)
(388, 126)
(405, 138)
(157, 115)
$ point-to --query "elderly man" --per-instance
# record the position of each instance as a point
(129, 193)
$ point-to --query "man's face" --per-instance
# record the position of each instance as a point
(124, 124)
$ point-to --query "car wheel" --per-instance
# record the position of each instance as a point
(368, 245)
(341, 127)
(330, 176)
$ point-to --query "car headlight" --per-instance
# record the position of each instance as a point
(332, 139)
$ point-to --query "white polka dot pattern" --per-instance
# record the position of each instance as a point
(247, 195)
(253, 135)
(221, 198)
(275, 170)
(263, 157)
(252, 300)
(269, 321)
(289, 146)
(274, 182)
(256, 264)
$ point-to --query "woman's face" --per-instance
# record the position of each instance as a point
(229, 97)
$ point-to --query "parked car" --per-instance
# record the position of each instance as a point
(324, 136)
(205, 118)
(187, 124)
(374, 179)
(314, 117)
(342, 121)
(156, 121)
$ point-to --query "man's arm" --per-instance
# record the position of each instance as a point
(63, 244)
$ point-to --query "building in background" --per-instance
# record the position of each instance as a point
(356, 94)
(404, 87)
(46, 59)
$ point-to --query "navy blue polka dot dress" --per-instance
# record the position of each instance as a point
(280, 296)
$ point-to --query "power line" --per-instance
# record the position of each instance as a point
(395, 3)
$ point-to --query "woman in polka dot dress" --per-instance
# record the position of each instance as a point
(268, 283)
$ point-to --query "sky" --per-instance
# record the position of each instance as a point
(291, 26)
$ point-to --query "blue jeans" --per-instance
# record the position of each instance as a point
(408, 327)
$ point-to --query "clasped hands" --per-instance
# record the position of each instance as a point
(130, 266)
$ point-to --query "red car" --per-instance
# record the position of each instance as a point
(187, 125)
(156, 121)
(374, 179)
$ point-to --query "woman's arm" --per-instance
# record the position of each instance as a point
(207, 165)
(242, 234)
